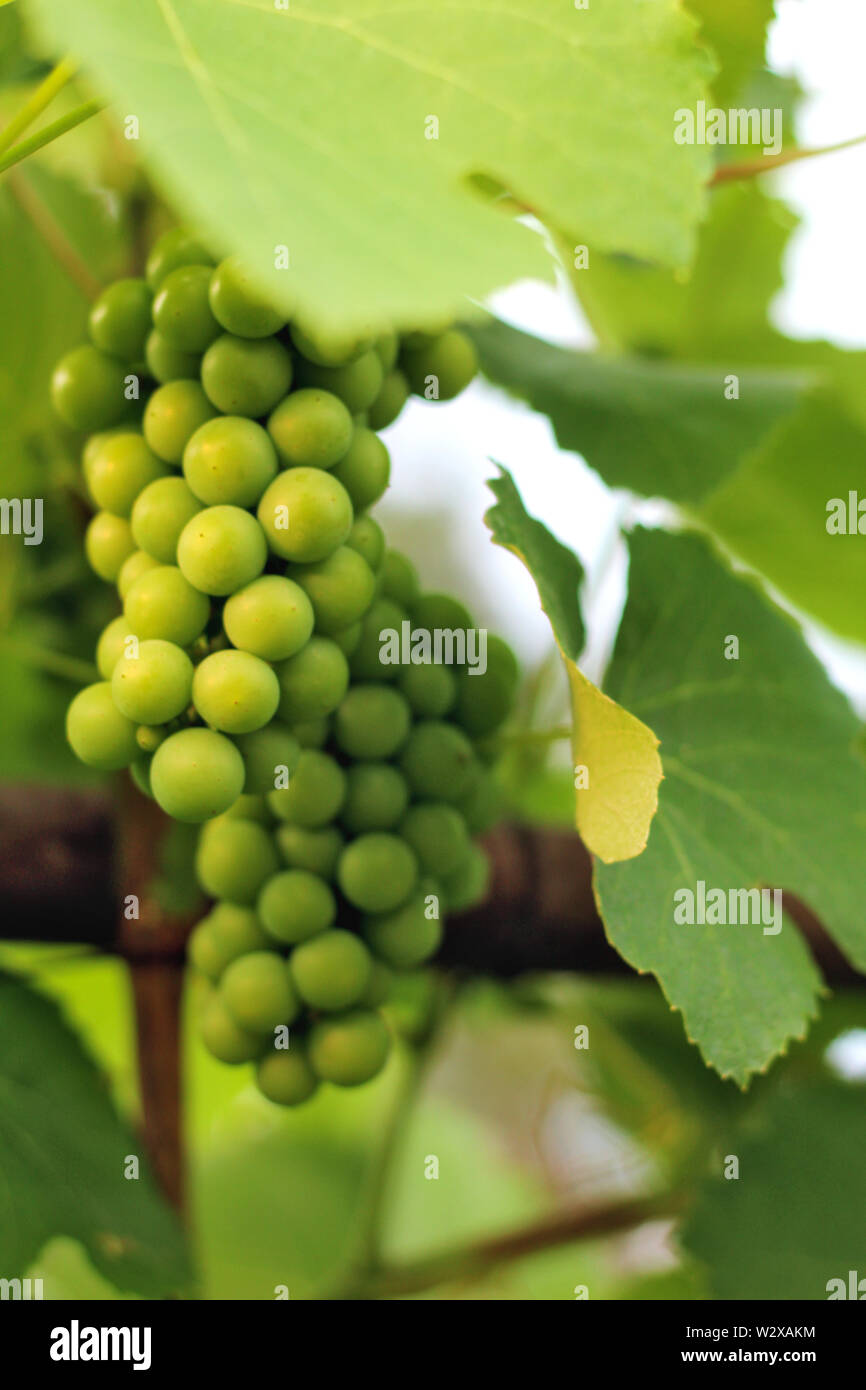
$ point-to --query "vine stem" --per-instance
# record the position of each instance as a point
(36, 103)
(749, 169)
(49, 134)
(69, 668)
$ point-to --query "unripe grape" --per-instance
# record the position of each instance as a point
(438, 834)
(119, 321)
(331, 970)
(438, 761)
(266, 753)
(294, 905)
(226, 933)
(406, 937)
(315, 792)
(368, 538)
(400, 579)
(468, 883)
(484, 701)
(313, 682)
(365, 469)
(432, 611)
(196, 774)
(172, 416)
(139, 771)
(311, 429)
(441, 369)
(382, 617)
(306, 513)
(315, 850)
(272, 618)
(149, 737)
(122, 466)
(372, 721)
(376, 797)
(229, 459)
(168, 363)
(234, 858)
(159, 514)
(356, 383)
(87, 389)
(327, 348)
(224, 1039)
(181, 311)
(162, 603)
(173, 249)
(249, 806)
(348, 638)
(377, 872)
(235, 692)
(350, 1049)
(221, 549)
(482, 806)
(430, 690)
(379, 987)
(393, 395)
(152, 685)
(312, 733)
(135, 565)
(259, 993)
(238, 305)
(111, 645)
(286, 1078)
(242, 376)
(108, 543)
(340, 588)
(387, 348)
(98, 733)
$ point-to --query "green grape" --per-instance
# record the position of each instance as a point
(383, 616)
(468, 883)
(230, 459)
(249, 807)
(238, 305)
(168, 363)
(348, 638)
(365, 469)
(259, 992)
(108, 544)
(221, 549)
(286, 1078)
(315, 792)
(181, 311)
(311, 429)
(393, 395)
(227, 932)
(315, 850)
(350, 1049)
(430, 690)
(306, 515)
(173, 249)
(484, 701)
(272, 618)
(296, 904)
(149, 738)
(90, 452)
(243, 376)
(387, 348)
(98, 734)
(356, 383)
(152, 683)
(442, 368)
(313, 682)
(377, 872)
(432, 611)
(372, 721)
(224, 1039)
(501, 658)
(139, 771)
(376, 797)
(331, 970)
(196, 774)
(88, 389)
(340, 589)
(312, 733)
(482, 806)
(327, 349)
(235, 692)
(234, 858)
(172, 416)
(162, 603)
(400, 579)
(438, 761)
(121, 467)
(438, 834)
(133, 567)
(111, 645)
(407, 937)
(379, 988)
(368, 538)
(268, 754)
(119, 321)
(159, 514)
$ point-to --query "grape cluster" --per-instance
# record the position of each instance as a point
(243, 684)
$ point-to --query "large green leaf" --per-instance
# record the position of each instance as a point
(761, 789)
(656, 428)
(795, 1218)
(63, 1152)
(304, 125)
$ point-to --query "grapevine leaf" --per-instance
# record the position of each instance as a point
(63, 1152)
(617, 767)
(737, 35)
(312, 127)
(659, 429)
(796, 1217)
(761, 790)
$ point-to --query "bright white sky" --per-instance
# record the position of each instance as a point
(441, 453)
